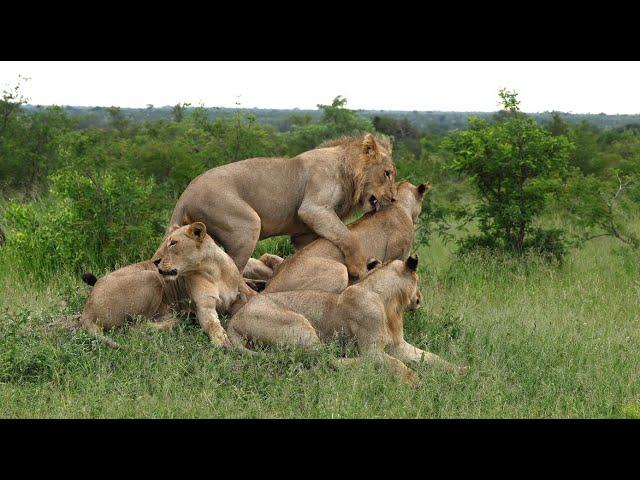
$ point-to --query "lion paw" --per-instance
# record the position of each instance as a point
(220, 339)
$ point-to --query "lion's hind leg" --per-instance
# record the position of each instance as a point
(94, 329)
(261, 321)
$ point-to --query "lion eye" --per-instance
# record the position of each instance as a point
(387, 173)
(172, 243)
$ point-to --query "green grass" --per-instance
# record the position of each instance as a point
(542, 341)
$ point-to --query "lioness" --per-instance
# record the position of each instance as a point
(385, 235)
(369, 312)
(305, 196)
(189, 267)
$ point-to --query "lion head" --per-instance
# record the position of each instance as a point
(415, 300)
(411, 197)
(396, 281)
(379, 174)
(181, 251)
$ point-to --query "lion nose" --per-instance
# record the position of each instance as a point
(157, 262)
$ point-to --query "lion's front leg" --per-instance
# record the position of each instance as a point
(209, 321)
(205, 295)
(315, 212)
(408, 353)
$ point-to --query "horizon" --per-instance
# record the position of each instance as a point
(567, 87)
(159, 107)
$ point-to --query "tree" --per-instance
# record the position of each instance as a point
(558, 126)
(117, 119)
(336, 120)
(586, 154)
(10, 104)
(399, 129)
(178, 111)
(513, 164)
(342, 121)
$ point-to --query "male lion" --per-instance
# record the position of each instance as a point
(385, 235)
(305, 196)
(369, 312)
(188, 267)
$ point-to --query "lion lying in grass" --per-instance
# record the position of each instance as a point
(369, 312)
(305, 197)
(385, 235)
(189, 271)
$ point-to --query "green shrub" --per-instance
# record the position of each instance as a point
(515, 166)
(90, 221)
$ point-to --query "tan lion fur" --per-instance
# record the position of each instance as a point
(369, 313)
(385, 235)
(188, 272)
(304, 197)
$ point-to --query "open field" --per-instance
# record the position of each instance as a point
(542, 341)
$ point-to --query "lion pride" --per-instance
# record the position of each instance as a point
(304, 197)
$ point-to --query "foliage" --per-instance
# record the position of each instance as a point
(605, 205)
(514, 165)
(336, 120)
(93, 220)
(29, 142)
(396, 128)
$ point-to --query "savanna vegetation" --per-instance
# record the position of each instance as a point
(529, 244)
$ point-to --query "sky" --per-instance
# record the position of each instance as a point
(577, 87)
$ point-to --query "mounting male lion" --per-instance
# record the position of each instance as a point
(386, 235)
(369, 313)
(304, 197)
(189, 270)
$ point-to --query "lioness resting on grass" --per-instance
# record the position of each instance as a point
(369, 312)
(305, 196)
(189, 272)
(385, 235)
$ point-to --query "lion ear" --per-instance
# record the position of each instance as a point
(198, 230)
(372, 263)
(424, 188)
(369, 145)
(412, 262)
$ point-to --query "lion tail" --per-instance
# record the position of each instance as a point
(89, 278)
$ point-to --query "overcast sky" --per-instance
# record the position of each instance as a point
(578, 87)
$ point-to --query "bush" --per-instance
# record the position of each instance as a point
(515, 166)
(604, 205)
(91, 221)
